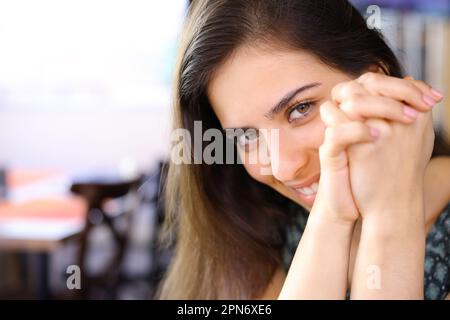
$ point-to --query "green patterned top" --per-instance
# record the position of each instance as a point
(437, 256)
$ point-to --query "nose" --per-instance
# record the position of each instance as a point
(287, 157)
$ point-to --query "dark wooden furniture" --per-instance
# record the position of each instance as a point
(97, 192)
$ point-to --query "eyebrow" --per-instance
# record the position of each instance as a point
(284, 102)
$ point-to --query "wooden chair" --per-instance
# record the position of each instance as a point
(97, 192)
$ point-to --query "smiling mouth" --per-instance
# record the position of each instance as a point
(308, 187)
(309, 190)
(307, 193)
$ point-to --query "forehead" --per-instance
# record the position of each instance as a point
(254, 79)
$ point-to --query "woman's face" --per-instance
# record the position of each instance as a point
(248, 86)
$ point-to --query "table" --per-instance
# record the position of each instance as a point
(38, 216)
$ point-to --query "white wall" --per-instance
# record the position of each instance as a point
(83, 139)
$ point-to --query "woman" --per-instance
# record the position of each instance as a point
(350, 173)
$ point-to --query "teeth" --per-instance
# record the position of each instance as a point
(307, 191)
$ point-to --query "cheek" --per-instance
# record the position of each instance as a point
(316, 133)
(310, 136)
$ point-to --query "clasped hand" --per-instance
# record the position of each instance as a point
(378, 142)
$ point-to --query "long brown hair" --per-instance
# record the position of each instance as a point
(227, 228)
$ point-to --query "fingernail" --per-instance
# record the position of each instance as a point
(437, 94)
(410, 112)
(374, 132)
(429, 100)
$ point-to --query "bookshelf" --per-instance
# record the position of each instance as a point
(419, 33)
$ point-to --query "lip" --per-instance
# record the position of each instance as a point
(306, 183)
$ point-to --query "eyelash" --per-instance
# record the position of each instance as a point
(310, 104)
(289, 111)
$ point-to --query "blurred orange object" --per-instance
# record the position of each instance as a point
(39, 224)
(19, 177)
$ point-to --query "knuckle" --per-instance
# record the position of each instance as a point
(350, 104)
(324, 109)
(353, 90)
(335, 92)
(344, 89)
(410, 86)
(369, 77)
(423, 83)
(420, 85)
(353, 86)
(327, 104)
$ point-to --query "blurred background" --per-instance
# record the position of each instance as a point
(84, 129)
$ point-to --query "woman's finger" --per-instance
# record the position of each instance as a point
(341, 132)
(331, 115)
(359, 107)
(426, 88)
(338, 138)
(398, 89)
(347, 89)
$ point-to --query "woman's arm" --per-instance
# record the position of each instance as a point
(391, 253)
(387, 180)
(320, 265)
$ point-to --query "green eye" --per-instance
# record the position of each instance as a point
(300, 111)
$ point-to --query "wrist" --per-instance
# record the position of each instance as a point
(391, 226)
(399, 206)
(324, 220)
